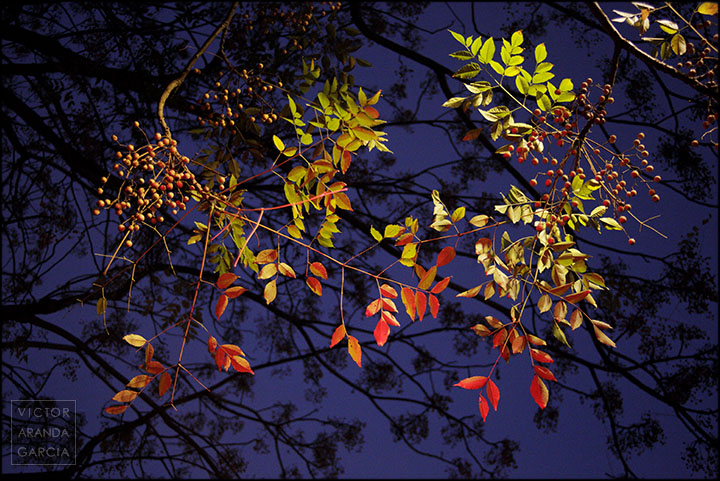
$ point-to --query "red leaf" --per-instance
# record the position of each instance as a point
(149, 352)
(240, 364)
(440, 286)
(389, 318)
(355, 350)
(445, 256)
(116, 409)
(499, 338)
(232, 350)
(318, 269)
(212, 345)
(544, 373)
(314, 285)
(434, 305)
(388, 291)
(235, 291)
(472, 134)
(165, 381)
(219, 359)
(409, 300)
(221, 305)
(493, 393)
(338, 335)
(474, 382)
(484, 407)
(518, 344)
(373, 307)
(154, 367)
(389, 305)
(575, 298)
(420, 301)
(404, 239)
(372, 112)
(539, 392)
(540, 356)
(225, 280)
(382, 330)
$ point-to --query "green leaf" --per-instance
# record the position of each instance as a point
(522, 85)
(542, 77)
(544, 102)
(462, 55)
(497, 67)
(475, 47)
(517, 38)
(376, 234)
(566, 85)
(540, 53)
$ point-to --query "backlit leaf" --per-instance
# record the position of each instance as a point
(278, 143)
(139, 381)
(389, 305)
(270, 291)
(338, 335)
(575, 298)
(373, 307)
(708, 8)
(602, 337)
(388, 291)
(493, 393)
(474, 382)
(266, 256)
(445, 256)
(286, 270)
(481, 330)
(355, 350)
(484, 407)
(318, 269)
(409, 301)
(382, 330)
(314, 285)
(149, 352)
(135, 340)
(539, 392)
(576, 319)
(389, 318)
(540, 356)
(428, 278)
(518, 344)
(440, 286)
(420, 303)
(165, 382)
(212, 345)
(434, 305)
(544, 373)
(116, 409)
(221, 305)
(376, 234)
(470, 292)
(125, 396)
(544, 303)
(235, 291)
(232, 349)
(101, 306)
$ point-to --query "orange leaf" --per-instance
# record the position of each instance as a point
(540, 356)
(434, 305)
(232, 350)
(445, 256)
(481, 330)
(314, 285)
(373, 307)
(227, 363)
(539, 392)
(240, 364)
(165, 382)
(404, 239)
(154, 367)
(409, 300)
(576, 319)
(389, 318)
(575, 298)
(212, 345)
(270, 291)
(219, 359)
(286, 270)
(221, 305)
(116, 409)
(266, 256)
(602, 337)
(125, 396)
(235, 291)
(338, 335)
(389, 305)
(318, 269)
(499, 338)
(544, 373)
(484, 407)
(139, 381)
(493, 393)
(474, 382)
(505, 352)
(419, 271)
(225, 280)
(382, 330)
(470, 292)
(518, 344)
(354, 350)
(472, 134)
(440, 286)
(428, 278)
(345, 161)
(420, 301)
(149, 351)
(372, 112)
(388, 291)
(536, 340)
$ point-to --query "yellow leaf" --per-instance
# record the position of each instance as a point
(139, 381)
(278, 143)
(270, 291)
(355, 351)
(135, 340)
(708, 8)
(125, 396)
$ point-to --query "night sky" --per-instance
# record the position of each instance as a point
(578, 447)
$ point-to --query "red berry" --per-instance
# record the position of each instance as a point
(533, 182)
(631, 241)
(622, 219)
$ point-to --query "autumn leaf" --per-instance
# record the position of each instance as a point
(266, 256)
(116, 409)
(388, 305)
(125, 396)
(225, 280)
(354, 350)
(434, 305)
(338, 335)
(382, 330)
(318, 269)
(232, 350)
(440, 286)
(409, 300)
(493, 393)
(518, 344)
(154, 367)
(420, 302)
(484, 407)
(240, 364)
(544, 303)
(389, 318)
(165, 382)
(270, 291)
(139, 381)
(149, 352)
(602, 337)
(445, 256)
(235, 291)
(540, 356)
(481, 330)
(135, 340)
(221, 305)
(575, 298)
(286, 270)
(101, 306)
(474, 382)
(268, 271)
(539, 392)
(470, 292)
(544, 373)
(212, 344)
(388, 291)
(373, 307)
(314, 285)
